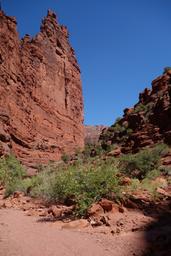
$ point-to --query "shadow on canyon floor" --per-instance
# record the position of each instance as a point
(158, 233)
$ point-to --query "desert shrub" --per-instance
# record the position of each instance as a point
(65, 158)
(153, 174)
(140, 107)
(108, 134)
(165, 170)
(87, 150)
(151, 188)
(166, 69)
(119, 132)
(105, 138)
(134, 185)
(148, 184)
(92, 150)
(142, 163)
(129, 131)
(106, 146)
(151, 185)
(146, 108)
(118, 128)
(28, 184)
(83, 184)
(118, 119)
(11, 173)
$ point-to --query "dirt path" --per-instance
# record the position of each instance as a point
(21, 235)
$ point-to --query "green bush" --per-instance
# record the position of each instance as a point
(129, 131)
(83, 184)
(140, 107)
(140, 164)
(166, 69)
(90, 150)
(28, 184)
(165, 170)
(118, 119)
(11, 173)
(65, 158)
(146, 108)
(106, 146)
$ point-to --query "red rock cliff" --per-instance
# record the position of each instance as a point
(148, 122)
(41, 105)
(92, 133)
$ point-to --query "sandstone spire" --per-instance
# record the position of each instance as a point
(41, 104)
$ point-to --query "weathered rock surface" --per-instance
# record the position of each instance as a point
(148, 122)
(41, 105)
(92, 133)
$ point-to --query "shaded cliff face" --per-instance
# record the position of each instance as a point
(92, 133)
(41, 105)
(148, 122)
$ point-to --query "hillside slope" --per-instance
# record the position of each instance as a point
(148, 122)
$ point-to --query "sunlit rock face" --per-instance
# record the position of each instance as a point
(148, 122)
(41, 104)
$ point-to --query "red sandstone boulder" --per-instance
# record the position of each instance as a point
(116, 152)
(125, 181)
(76, 224)
(55, 211)
(95, 210)
(106, 204)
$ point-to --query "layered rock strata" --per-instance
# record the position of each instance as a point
(148, 122)
(41, 104)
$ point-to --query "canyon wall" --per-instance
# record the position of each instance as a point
(41, 104)
(148, 122)
(92, 133)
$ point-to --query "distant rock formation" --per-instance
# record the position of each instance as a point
(148, 122)
(41, 104)
(92, 133)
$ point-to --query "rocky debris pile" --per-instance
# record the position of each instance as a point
(33, 206)
(147, 123)
(133, 214)
(105, 214)
(41, 104)
(92, 133)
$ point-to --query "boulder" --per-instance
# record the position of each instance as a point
(95, 210)
(116, 152)
(106, 204)
(76, 224)
(55, 211)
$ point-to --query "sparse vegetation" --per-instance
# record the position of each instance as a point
(166, 69)
(85, 182)
(146, 108)
(118, 132)
(140, 108)
(140, 164)
(92, 150)
(65, 158)
(11, 173)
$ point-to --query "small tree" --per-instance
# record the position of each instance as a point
(166, 69)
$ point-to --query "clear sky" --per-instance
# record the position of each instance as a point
(121, 45)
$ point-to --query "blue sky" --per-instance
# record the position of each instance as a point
(121, 46)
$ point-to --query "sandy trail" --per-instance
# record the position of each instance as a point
(21, 235)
